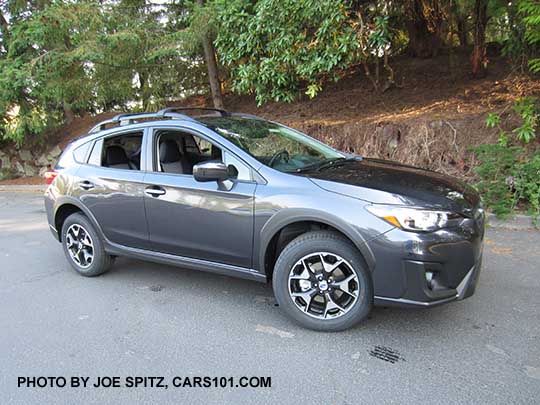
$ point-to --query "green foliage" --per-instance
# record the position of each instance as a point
(6, 174)
(528, 183)
(273, 48)
(380, 37)
(60, 58)
(496, 172)
(493, 120)
(528, 109)
(530, 13)
(87, 56)
(510, 174)
(313, 90)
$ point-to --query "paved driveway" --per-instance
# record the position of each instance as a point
(145, 319)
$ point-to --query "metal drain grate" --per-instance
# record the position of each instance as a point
(386, 354)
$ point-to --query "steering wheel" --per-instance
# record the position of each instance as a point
(280, 155)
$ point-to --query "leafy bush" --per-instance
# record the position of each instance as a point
(274, 48)
(510, 174)
(528, 183)
(62, 58)
(528, 109)
(530, 12)
(6, 174)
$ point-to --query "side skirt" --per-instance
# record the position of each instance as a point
(185, 262)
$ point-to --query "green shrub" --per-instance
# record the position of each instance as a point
(6, 174)
(496, 172)
(528, 184)
(511, 174)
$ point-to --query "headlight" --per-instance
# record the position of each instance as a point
(413, 219)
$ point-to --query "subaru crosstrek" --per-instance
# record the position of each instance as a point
(239, 195)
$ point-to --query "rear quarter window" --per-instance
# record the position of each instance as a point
(81, 152)
(73, 155)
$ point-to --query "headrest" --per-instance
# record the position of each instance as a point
(115, 155)
(216, 153)
(168, 151)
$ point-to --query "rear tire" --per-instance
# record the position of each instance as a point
(321, 281)
(83, 247)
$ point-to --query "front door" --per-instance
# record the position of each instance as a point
(209, 221)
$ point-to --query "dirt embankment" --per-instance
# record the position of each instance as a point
(432, 120)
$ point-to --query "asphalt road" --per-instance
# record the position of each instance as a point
(144, 319)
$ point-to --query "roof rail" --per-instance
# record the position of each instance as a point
(174, 109)
(131, 118)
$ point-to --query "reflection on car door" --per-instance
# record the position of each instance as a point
(211, 221)
(115, 196)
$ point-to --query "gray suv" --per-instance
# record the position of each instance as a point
(236, 194)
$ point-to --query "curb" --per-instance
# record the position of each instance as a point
(23, 188)
(518, 222)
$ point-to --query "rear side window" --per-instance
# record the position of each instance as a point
(73, 155)
(118, 152)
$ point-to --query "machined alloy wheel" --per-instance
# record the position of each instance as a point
(83, 246)
(323, 285)
(80, 245)
(322, 282)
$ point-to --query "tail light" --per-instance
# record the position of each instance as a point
(50, 176)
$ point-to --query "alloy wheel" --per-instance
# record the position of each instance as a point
(323, 285)
(80, 245)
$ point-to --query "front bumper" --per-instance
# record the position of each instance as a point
(427, 269)
(464, 290)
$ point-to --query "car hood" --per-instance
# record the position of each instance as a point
(386, 182)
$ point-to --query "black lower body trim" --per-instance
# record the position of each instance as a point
(186, 262)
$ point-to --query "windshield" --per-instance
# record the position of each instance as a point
(272, 144)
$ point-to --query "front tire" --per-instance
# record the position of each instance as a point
(321, 281)
(83, 247)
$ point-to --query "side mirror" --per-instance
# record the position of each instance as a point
(212, 170)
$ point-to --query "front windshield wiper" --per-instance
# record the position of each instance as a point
(324, 164)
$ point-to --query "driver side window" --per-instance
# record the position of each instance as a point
(177, 152)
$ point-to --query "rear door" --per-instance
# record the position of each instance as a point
(209, 221)
(111, 185)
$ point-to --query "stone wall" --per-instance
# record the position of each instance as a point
(25, 163)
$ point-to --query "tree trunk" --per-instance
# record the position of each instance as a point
(69, 115)
(4, 29)
(424, 25)
(462, 32)
(213, 72)
(422, 43)
(143, 86)
(460, 19)
(479, 59)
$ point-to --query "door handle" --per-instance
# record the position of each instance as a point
(154, 191)
(86, 185)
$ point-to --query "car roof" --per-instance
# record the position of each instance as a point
(170, 115)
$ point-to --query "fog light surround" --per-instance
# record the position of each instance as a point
(429, 280)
